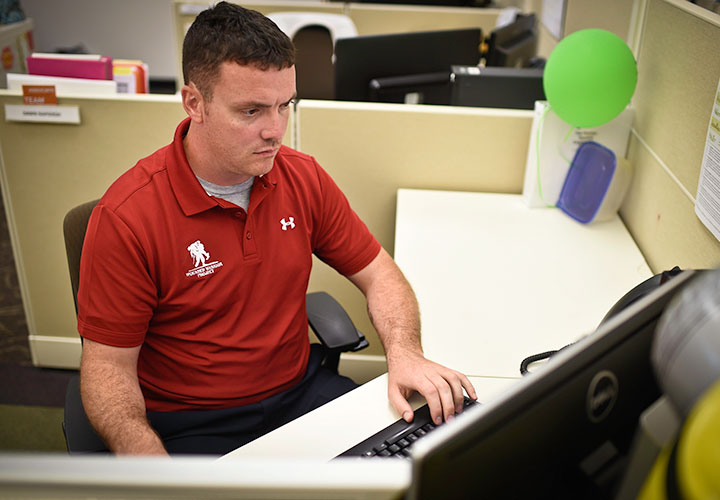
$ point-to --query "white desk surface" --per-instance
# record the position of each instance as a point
(342, 423)
(498, 281)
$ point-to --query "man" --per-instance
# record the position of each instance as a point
(196, 264)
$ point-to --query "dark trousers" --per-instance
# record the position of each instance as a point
(217, 432)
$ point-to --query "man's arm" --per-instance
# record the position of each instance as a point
(113, 401)
(394, 312)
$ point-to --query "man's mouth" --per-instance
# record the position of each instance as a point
(267, 152)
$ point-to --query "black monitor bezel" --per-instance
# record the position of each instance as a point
(545, 465)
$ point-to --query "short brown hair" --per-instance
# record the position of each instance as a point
(228, 32)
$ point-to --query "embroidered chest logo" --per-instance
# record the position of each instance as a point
(288, 223)
(200, 258)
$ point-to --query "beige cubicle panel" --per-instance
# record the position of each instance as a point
(678, 72)
(615, 16)
(375, 19)
(371, 150)
(46, 169)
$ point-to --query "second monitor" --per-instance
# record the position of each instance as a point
(489, 87)
(358, 60)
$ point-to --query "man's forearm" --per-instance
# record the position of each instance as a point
(392, 306)
(394, 312)
(115, 406)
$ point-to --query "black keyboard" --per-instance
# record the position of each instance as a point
(397, 439)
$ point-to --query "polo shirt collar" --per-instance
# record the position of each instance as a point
(189, 193)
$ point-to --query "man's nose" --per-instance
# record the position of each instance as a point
(275, 127)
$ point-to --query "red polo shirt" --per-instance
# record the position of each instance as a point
(214, 294)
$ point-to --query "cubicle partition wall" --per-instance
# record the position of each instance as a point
(376, 19)
(371, 150)
(678, 73)
(46, 169)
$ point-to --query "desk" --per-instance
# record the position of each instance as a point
(497, 281)
(342, 423)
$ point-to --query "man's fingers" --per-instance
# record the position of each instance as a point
(400, 404)
(448, 389)
(456, 386)
(469, 388)
(445, 395)
(441, 387)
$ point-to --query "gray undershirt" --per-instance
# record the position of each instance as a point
(239, 194)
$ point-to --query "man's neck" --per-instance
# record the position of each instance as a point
(200, 164)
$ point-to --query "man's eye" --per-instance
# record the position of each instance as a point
(250, 112)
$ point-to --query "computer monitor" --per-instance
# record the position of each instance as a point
(496, 87)
(360, 59)
(425, 88)
(562, 432)
(489, 87)
(514, 44)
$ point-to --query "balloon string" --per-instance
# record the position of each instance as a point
(537, 153)
(560, 151)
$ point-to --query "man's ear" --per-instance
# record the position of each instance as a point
(193, 102)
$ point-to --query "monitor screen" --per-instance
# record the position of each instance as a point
(492, 87)
(360, 59)
(514, 44)
(562, 432)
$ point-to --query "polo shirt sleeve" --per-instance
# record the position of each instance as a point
(116, 295)
(342, 240)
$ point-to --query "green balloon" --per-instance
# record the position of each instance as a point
(590, 77)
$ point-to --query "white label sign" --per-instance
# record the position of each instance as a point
(42, 114)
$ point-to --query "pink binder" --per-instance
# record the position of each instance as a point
(94, 69)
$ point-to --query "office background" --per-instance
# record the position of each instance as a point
(674, 42)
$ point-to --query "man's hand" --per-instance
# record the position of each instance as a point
(393, 310)
(441, 387)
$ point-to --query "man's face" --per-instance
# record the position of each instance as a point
(244, 122)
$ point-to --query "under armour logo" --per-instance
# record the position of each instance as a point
(288, 223)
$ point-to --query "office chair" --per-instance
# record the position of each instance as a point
(314, 35)
(327, 319)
